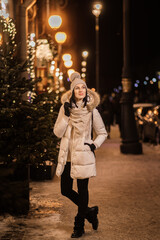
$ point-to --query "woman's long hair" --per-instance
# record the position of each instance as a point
(73, 100)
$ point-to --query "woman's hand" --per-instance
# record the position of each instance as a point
(66, 109)
(59, 169)
(92, 146)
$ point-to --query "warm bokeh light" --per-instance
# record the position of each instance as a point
(52, 67)
(32, 35)
(83, 75)
(55, 21)
(60, 37)
(70, 71)
(66, 57)
(32, 44)
(57, 74)
(83, 69)
(84, 63)
(97, 7)
(0, 39)
(85, 54)
(68, 63)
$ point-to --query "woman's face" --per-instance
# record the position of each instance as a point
(80, 91)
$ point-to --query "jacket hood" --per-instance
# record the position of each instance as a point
(92, 102)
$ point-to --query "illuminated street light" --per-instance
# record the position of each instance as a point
(97, 7)
(68, 63)
(55, 21)
(70, 71)
(60, 37)
(85, 54)
(66, 57)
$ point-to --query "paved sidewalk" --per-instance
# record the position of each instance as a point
(126, 189)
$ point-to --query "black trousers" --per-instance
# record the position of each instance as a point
(81, 197)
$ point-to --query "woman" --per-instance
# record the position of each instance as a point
(76, 160)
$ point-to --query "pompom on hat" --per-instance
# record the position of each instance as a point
(75, 79)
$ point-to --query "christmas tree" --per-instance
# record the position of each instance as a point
(12, 88)
(26, 126)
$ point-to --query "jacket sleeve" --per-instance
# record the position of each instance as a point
(99, 128)
(61, 123)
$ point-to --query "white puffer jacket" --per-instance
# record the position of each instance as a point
(82, 158)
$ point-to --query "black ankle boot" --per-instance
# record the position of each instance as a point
(91, 216)
(78, 230)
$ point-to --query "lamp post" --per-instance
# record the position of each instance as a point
(68, 63)
(130, 142)
(97, 6)
(55, 21)
(60, 38)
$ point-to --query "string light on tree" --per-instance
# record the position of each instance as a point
(43, 50)
(52, 67)
(31, 52)
(7, 35)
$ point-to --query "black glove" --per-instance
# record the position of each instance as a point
(66, 109)
(92, 146)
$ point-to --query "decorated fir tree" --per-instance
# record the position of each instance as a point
(26, 126)
(12, 88)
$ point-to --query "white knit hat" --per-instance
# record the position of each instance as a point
(75, 79)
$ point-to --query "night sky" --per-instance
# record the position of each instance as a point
(145, 42)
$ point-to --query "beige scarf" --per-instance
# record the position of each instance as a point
(79, 119)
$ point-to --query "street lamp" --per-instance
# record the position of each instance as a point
(97, 7)
(67, 60)
(66, 57)
(60, 38)
(68, 63)
(55, 21)
(70, 71)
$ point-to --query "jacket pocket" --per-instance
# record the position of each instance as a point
(89, 146)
